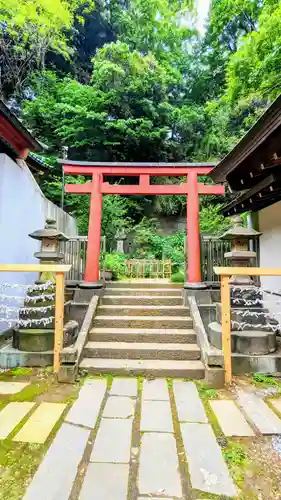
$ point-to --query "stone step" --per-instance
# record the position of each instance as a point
(158, 335)
(160, 292)
(144, 284)
(139, 310)
(126, 350)
(144, 300)
(156, 368)
(181, 322)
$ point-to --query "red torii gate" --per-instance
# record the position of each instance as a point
(97, 187)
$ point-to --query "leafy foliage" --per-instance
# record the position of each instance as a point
(28, 29)
(115, 262)
(178, 277)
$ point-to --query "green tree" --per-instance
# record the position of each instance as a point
(28, 29)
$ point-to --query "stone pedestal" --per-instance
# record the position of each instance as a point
(35, 331)
(252, 332)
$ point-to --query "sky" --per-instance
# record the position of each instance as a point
(203, 9)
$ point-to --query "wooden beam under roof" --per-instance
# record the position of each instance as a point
(266, 190)
(255, 139)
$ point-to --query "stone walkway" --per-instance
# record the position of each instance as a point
(145, 441)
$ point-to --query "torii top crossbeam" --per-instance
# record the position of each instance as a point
(97, 187)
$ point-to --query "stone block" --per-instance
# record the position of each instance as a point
(12, 387)
(214, 376)
(57, 472)
(124, 387)
(158, 471)
(86, 408)
(188, 403)
(276, 403)
(68, 373)
(156, 416)
(248, 342)
(155, 390)
(230, 418)
(259, 413)
(113, 441)
(12, 415)
(105, 482)
(207, 468)
(40, 424)
(119, 407)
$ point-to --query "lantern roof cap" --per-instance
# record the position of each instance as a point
(239, 231)
(50, 231)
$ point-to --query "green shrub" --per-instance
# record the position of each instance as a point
(178, 277)
(115, 262)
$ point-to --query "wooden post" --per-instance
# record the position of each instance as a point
(226, 328)
(59, 314)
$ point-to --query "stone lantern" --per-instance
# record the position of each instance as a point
(240, 255)
(50, 238)
(39, 306)
(252, 331)
(120, 238)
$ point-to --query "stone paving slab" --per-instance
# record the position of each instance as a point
(11, 416)
(119, 407)
(259, 413)
(207, 468)
(156, 416)
(155, 390)
(188, 403)
(276, 403)
(158, 471)
(113, 441)
(40, 424)
(105, 482)
(86, 408)
(56, 474)
(230, 418)
(124, 387)
(12, 387)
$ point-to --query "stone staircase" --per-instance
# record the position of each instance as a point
(143, 329)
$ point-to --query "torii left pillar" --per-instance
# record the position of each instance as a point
(193, 234)
(94, 231)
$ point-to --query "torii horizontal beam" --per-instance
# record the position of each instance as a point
(135, 171)
(142, 188)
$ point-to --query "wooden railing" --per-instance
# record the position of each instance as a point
(74, 251)
(225, 273)
(149, 268)
(60, 271)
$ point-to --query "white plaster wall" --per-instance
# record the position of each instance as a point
(270, 243)
(23, 209)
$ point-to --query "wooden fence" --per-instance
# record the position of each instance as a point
(212, 255)
(75, 251)
(151, 268)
